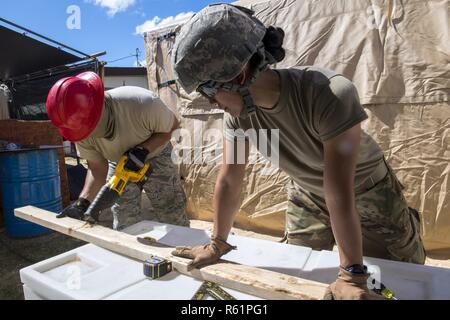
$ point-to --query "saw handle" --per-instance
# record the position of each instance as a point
(104, 200)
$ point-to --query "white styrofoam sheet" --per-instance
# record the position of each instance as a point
(30, 294)
(283, 258)
(173, 286)
(407, 280)
(86, 273)
(107, 275)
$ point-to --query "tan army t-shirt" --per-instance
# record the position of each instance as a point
(315, 105)
(134, 114)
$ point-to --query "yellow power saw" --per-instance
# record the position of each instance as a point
(115, 187)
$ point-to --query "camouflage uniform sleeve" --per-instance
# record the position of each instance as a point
(337, 108)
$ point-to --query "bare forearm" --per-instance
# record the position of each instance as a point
(95, 179)
(341, 154)
(346, 227)
(92, 186)
(226, 204)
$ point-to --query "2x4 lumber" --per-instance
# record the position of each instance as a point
(251, 280)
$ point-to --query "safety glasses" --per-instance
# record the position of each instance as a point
(209, 92)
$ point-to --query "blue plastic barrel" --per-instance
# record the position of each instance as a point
(29, 177)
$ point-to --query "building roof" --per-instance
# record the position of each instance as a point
(119, 71)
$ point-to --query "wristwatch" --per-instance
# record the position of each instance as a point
(356, 269)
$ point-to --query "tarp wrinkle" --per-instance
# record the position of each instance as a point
(396, 52)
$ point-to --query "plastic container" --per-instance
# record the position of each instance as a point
(29, 176)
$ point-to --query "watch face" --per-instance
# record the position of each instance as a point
(357, 269)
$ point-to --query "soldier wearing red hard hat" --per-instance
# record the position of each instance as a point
(107, 125)
(75, 105)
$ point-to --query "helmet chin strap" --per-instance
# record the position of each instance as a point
(243, 89)
(249, 106)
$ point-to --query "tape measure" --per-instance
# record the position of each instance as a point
(155, 267)
(385, 292)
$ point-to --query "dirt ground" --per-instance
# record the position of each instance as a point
(16, 254)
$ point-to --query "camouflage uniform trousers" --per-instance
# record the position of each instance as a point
(390, 229)
(163, 189)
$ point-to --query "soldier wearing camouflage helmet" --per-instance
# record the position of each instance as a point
(341, 190)
(239, 37)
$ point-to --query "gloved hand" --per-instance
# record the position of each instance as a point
(351, 286)
(136, 158)
(204, 255)
(76, 210)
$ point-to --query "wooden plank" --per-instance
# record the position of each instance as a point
(38, 133)
(255, 281)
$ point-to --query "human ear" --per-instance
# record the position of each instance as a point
(244, 76)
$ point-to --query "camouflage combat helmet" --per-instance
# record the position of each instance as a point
(214, 47)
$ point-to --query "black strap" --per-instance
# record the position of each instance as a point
(356, 269)
(166, 36)
(248, 100)
(166, 84)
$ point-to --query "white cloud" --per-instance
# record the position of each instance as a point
(157, 22)
(113, 6)
(139, 12)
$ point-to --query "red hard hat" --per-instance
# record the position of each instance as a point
(75, 105)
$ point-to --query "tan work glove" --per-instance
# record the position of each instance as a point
(351, 286)
(204, 255)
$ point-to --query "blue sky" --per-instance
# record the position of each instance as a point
(109, 25)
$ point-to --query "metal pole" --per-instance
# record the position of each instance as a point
(138, 64)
